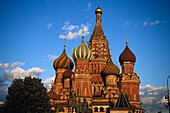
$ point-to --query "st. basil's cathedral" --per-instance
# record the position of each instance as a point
(96, 85)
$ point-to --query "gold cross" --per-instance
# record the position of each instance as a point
(83, 32)
(64, 43)
(126, 40)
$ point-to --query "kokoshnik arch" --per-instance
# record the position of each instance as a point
(96, 85)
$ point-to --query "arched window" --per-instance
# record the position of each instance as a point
(61, 109)
(109, 80)
(134, 96)
(85, 92)
(94, 89)
(101, 109)
(94, 71)
(95, 109)
(78, 92)
(98, 88)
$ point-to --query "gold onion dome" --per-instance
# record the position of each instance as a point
(127, 55)
(63, 61)
(51, 94)
(98, 10)
(111, 69)
(82, 51)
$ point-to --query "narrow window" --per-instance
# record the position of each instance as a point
(78, 92)
(98, 89)
(94, 89)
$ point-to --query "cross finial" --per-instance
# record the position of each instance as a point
(83, 36)
(64, 43)
(98, 3)
(83, 32)
(126, 40)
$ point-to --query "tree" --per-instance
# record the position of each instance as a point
(27, 96)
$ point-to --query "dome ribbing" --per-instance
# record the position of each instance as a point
(63, 61)
(127, 55)
(82, 51)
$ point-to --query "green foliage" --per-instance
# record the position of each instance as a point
(27, 96)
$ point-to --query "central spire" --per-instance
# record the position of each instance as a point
(98, 30)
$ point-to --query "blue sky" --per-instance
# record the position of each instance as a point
(32, 31)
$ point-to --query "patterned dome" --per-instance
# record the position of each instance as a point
(82, 51)
(63, 61)
(127, 55)
(52, 95)
(111, 69)
(67, 73)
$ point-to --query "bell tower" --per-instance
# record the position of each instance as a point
(101, 54)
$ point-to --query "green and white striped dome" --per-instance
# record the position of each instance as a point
(82, 51)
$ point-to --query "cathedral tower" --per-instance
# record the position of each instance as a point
(130, 81)
(100, 50)
(61, 64)
(81, 81)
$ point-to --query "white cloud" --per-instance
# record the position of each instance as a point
(145, 23)
(89, 7)
(16, 64)
(151, 23)
(15, 71)
(152, 98)
(3, 90)
(155, 22)
(126, 23)
(4, 66)
(49, 25)
(52, 57)
(76, 33)
(163, 101)
(66, 22)
(69, 27)
(49, 80)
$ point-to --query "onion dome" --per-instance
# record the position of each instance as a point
(111, 69)
(51, 94)
(98, 10)
(82, 51)
(63, 61)
(127, 55)
(67, 73)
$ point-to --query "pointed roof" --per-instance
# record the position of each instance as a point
(122, 102)
(51, 94)
(98, 30)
